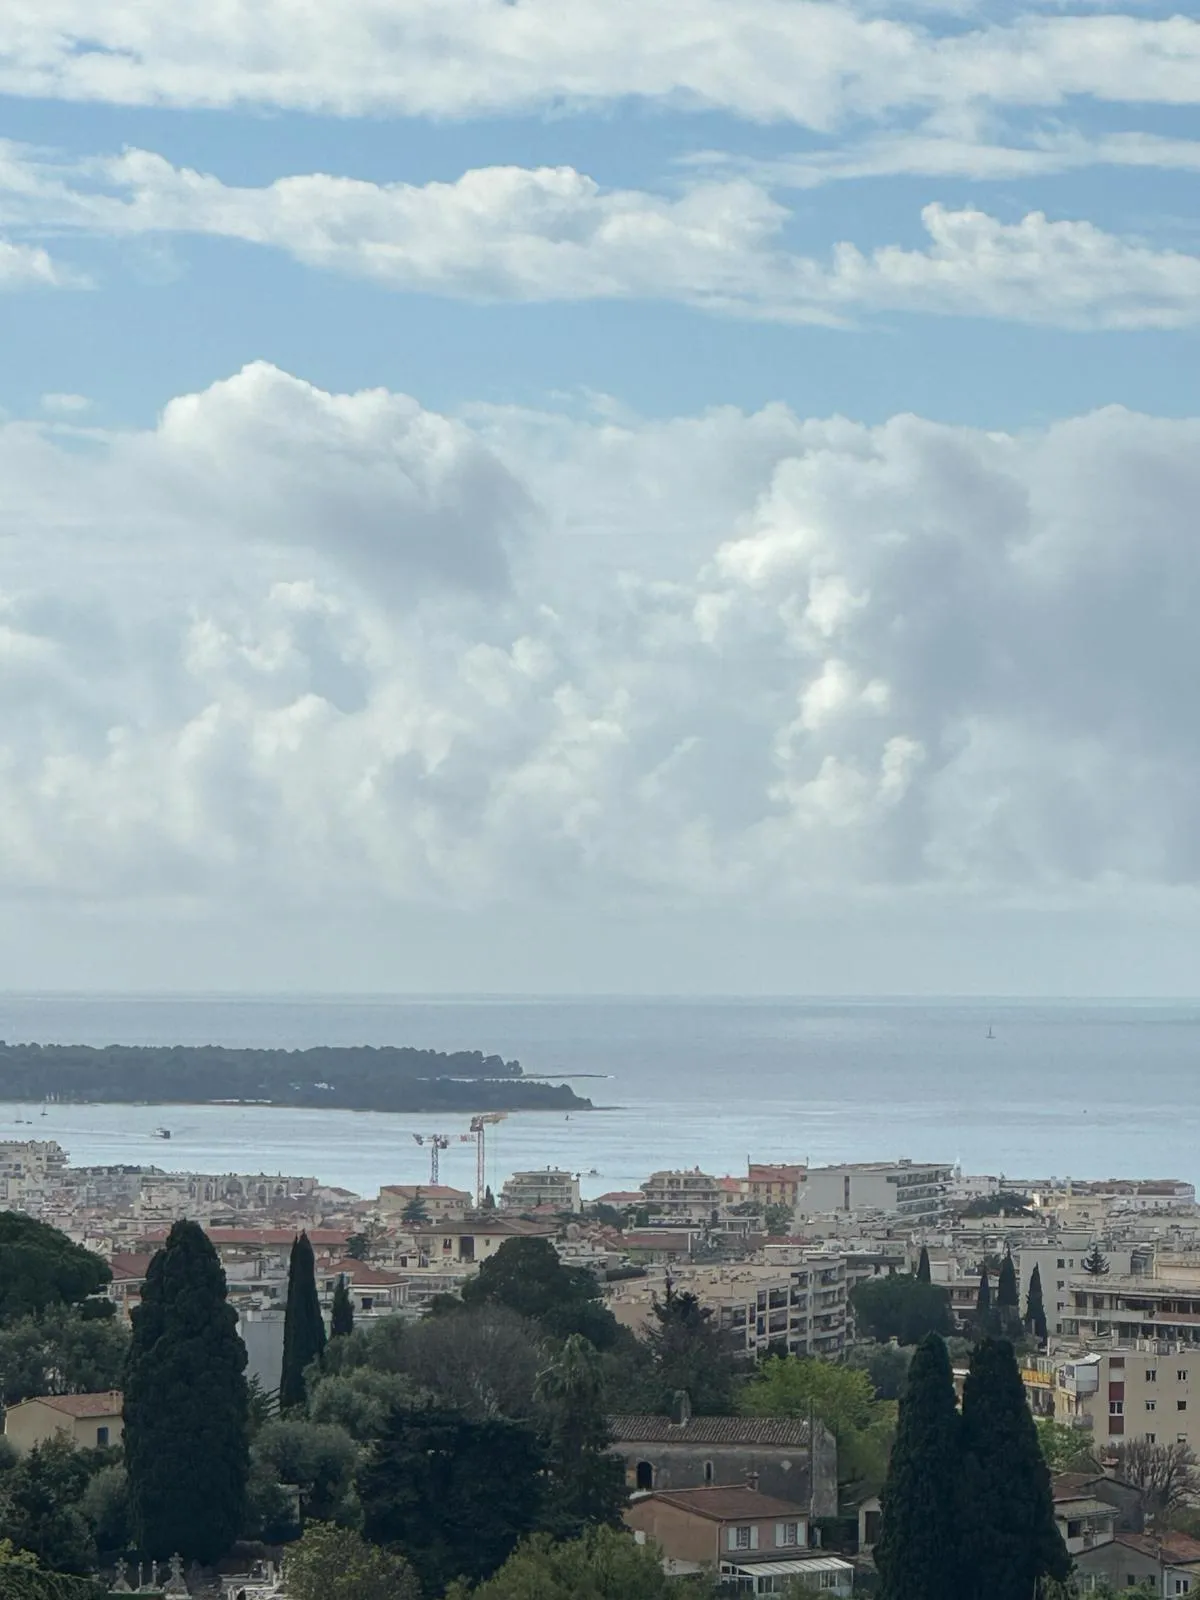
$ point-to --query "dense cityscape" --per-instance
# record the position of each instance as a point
(713, 1381)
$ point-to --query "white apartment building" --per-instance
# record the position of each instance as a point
(526, 1191)
(911, 1189)
(693, 1196)
(1122, 1395)
(1059, 1260)
(1121, 1311)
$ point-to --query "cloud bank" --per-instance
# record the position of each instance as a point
(803, 61)
(552, 233)
(329, 649)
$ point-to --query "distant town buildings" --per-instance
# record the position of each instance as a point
(546, 1189)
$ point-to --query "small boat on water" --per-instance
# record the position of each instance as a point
(162, 1133)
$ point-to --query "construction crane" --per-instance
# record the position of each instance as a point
(437, 1142)
(479, 1127)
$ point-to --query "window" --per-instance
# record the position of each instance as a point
(645, 1475)
(1116, 1408)
(1151, 1405)
(1074, 1528)
(1181, 1375)
(1117, 1361)
(1061, 1284)
(1181, 1405)
(101, 1438)
(708, 1472)
(787, 1533)
(1183, 1585)
(741, 1539)
(1061, 1263)
(1151, 1438)
(1181, 1438)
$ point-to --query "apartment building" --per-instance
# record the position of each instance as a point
(693, 1196)
(774, 1184)
(1150, 1393)
(915, 1190)
(528, 1191)
(1122, 1310)
(1059, 1260)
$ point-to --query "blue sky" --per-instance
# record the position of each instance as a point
(602, 466)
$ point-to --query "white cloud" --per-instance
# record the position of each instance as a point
(809, 61)
(25, 266)
(552, 233)
(65, 405)
(903, 658)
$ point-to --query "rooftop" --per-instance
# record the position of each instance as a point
(108, 1404)
(728, 1503)
(641, 1429)
(1176, 1549)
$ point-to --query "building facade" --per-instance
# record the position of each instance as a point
(527, 1191)
(915, 1190)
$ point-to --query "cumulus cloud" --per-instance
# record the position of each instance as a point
(878, 659)
(24, 266)
(809, 61)
(552, 233)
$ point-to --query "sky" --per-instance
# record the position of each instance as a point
(576, 496)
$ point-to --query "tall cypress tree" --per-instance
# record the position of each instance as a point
(303, 1325)
(1007, 1536)
(1007, 1298)
(186, 1433)
(983, 1303)
(341, 1318)
(917, 1553)
(1035, 1310)
(923, 1273)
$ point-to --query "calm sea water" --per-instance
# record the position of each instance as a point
(1070, 1089)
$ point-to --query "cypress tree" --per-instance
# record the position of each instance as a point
(917, 1550)
(1008, 1540)
(303, 1325)
(1007, 1298)
(923, 1273)
(983, 1302)
(186, 1422)
(1035, 1310)
(341, 1321)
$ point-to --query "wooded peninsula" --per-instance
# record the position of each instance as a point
(352, 1077)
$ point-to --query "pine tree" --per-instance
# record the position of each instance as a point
(1007, 1297)
(586, 1482)
(917, 1550)
(1035, 1310)
(1007, 1535)
(341, 1320)
(186, 1423)
(923, 1273)
(1095, 1263)
(416, 1212)
(303, 1325)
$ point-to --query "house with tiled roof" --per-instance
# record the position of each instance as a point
(440, 1201)
(92, 1421)
(372, 1289)
(752, 1540)
(687, 1452)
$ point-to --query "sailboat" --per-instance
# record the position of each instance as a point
(990, 1034)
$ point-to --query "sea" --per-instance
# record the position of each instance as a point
(1026, 1089)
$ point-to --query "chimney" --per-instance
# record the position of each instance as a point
(681, 1408)
(752, 1480)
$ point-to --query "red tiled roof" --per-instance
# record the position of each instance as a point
(80, 1405)
(733, 1503)
(427, 1191)
(266, 1238)
(1177, 1549)
(128, 1268)
(621, 1197)
(362, 1273)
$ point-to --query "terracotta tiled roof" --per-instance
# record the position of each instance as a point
(1073, 1485)
(1177, 1549)
(427, 1191)
(127, 1267)
(265, 1238)
(81, 1405)
(640, 1429)
(362, 1274)
(735, 1503)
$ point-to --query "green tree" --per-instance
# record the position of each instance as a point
(320, 1458)
(1007, 1298)
(1095, 1263)
(917, 1550)
(361, 1400)
(40, 1267)
(452, 1495)
(341, 1318)
(586, 1482)
(40, 1504)
(1008, 1539)
(303, 1325)
(983, 1303)
(527, 1276)
(900, 1307)
(60, 1351)
(689, 1354)
(841, 1397)
(331, 1563)
(1065, 1449)
(22, 1577)
(778, 1218)
(600, 1565)
(186, 1424)
(105, 1506)
(484, 1361)
(416, 1212)
(1035, 1310)
(885, 1364)
(924, 1274)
